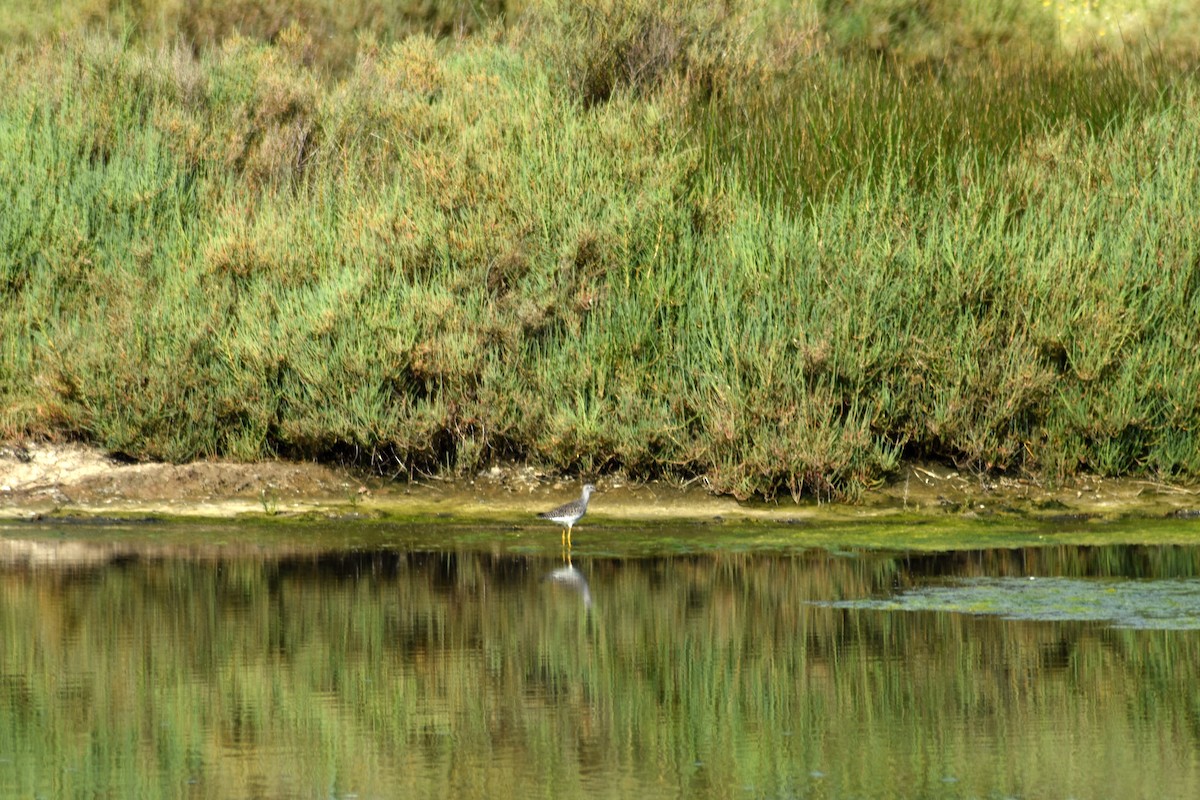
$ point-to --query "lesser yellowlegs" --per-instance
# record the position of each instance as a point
(570, 513)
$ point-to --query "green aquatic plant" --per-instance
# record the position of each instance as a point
(1160, 605)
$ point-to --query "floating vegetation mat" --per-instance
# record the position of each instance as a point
(1157, 604)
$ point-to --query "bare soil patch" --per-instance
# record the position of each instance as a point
(37, 479)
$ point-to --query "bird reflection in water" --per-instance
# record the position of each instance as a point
(569, 576)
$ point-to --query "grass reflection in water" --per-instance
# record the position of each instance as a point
(387, 673)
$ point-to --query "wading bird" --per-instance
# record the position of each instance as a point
(570, 513)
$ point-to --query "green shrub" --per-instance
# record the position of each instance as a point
(334, 30)
(456, 252)
(913, 31)
(604, 47)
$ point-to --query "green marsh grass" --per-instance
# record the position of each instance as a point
(781, 270)
(832, 124)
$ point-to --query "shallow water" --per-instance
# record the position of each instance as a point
(351, 660)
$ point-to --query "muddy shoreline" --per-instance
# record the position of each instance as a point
(39, 480)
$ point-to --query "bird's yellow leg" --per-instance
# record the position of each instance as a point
(568, 537)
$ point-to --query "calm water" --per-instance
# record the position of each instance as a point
(352, 661)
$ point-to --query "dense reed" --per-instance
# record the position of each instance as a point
(701, 244)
